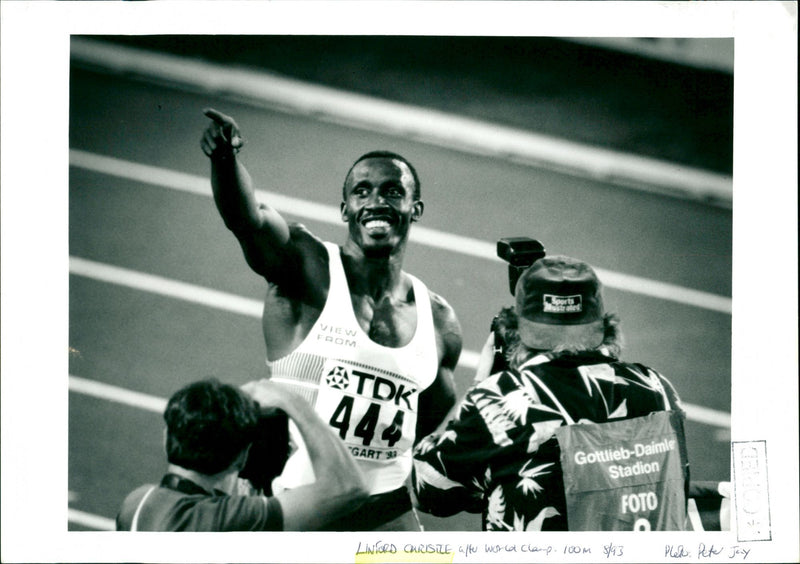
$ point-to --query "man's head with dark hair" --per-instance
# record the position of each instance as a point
(385, 155)
(209, 424)
(380, 201)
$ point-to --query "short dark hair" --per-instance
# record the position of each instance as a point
(209, 424)
(385, 155)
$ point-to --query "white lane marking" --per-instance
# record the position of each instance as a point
(91, 520)
(251, 308)
(116, 394)
(156, 404)
(190, 292)
(430, 126)
(197, 185)
(707, 415)
(165, 287)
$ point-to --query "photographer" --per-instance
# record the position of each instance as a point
(210, 430)
(520, 253)
(568, 437)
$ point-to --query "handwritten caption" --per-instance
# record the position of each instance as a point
(445, 552)
(702, 550)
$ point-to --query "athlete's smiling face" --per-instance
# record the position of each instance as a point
(379, 204)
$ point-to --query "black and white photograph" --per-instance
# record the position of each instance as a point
(397, 287)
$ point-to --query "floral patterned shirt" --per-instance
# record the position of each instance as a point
(499, 456)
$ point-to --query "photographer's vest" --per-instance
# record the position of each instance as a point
(366, 392)
(625, 475)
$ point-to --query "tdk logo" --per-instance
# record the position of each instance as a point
(338, 378)
(562, 304)
(370, 386)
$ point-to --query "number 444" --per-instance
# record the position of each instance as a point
(365, 428)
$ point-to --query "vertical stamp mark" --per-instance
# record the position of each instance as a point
(751, 491)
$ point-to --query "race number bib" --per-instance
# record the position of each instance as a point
(374, 412)
(625, 475)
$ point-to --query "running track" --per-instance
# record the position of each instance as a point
(160, 295)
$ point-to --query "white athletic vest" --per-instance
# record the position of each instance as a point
(366, 392)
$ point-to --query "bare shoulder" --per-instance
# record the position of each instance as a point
(448, 329)
(444, 316)
(304, 266)
(300, 235)
(283, 262)
(308, 249)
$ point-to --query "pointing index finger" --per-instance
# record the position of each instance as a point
(218, 117)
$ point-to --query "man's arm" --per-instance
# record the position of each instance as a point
(436, 401)
(272, 248)
(449, 472)
(339, 488)
(485, 361)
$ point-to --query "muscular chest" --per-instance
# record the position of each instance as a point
(286, 322)
(388, 322)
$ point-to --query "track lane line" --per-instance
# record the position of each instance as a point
(201, 186)
(190, 292)
(116, 394)
(90, 520)
(244, 306)
(265, 89)
(155, 404)
(165, 287)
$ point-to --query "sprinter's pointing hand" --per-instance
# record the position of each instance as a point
(222, 137)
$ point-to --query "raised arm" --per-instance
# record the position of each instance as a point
(232, 185)
(268, 242)
(339, 488)
(437, 400)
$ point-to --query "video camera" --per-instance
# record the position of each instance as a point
(270, 449)
(519, 253)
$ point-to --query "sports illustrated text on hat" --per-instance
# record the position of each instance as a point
(559, 304)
